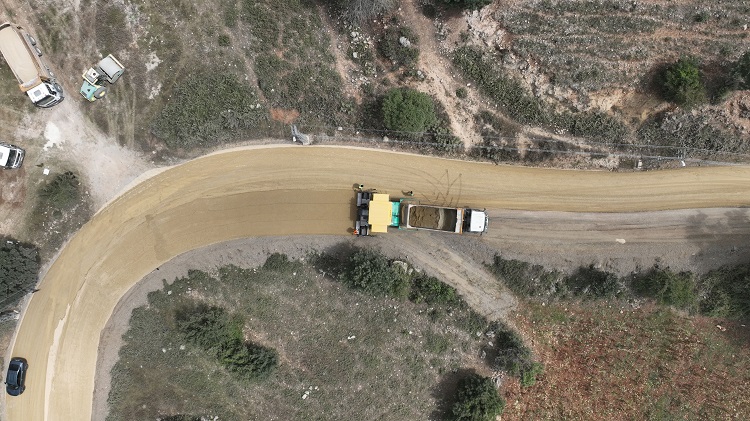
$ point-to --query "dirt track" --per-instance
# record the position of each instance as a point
(284, 191)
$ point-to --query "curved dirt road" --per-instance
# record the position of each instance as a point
(280, 191)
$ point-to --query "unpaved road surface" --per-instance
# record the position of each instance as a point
(290, 191)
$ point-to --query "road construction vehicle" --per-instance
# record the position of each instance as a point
(11, 156)
(109, 69)
(376, 212)
(24, 58)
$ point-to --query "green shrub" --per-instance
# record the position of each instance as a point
(739, 77)
(590, 281)
(207, 108)
(668, 288)
(726, 292)
(682, 83)
(62, 192)
(391, 48)
(408, 111)
(19, 270)
(462, 93)
(370, 271)
(279, 262)
(477, 400)
(514, 357)
(208, 326)
(224, 40)
(430, 290)
(213, 330)
(249, 360)
(527, 280)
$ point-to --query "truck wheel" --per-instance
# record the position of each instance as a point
(38, 51)
(58, 88)
(31, 39)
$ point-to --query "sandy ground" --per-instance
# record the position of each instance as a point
(308, 191)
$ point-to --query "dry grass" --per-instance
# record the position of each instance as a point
(343, 355)
(610, 361)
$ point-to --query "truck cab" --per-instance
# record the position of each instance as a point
(475, 221)
(11, 156)
(46, 94)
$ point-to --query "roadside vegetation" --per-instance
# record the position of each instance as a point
(60, 208)
(722, 293)
(19, 270)
(676, 344)
(379, 341)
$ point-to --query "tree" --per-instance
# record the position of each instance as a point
(477, 400)
(682, 83)
(409, 111)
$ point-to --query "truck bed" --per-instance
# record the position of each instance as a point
(433, 218)
(17, 55)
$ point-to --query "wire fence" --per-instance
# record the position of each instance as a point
(536, 149)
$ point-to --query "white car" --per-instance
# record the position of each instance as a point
(11, 156)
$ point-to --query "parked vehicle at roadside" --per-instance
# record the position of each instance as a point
(11, 156)
(15, 380)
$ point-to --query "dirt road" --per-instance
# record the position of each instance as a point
(284, 191)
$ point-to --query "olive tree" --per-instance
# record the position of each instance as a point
(682, 83)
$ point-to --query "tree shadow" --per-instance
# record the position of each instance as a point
(725, 240)
(445, 392)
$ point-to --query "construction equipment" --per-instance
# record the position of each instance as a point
(109, 69)
(24, 58)
(376, 212)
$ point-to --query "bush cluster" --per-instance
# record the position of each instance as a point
(61, 193)
(279, 262)
(724, 292)
(477, 400)
(213, 330)
(206, 109)
(19, 269)
(739, 77)
(526, 109)
(514, 357)
(668, 288)
(370, 271)
(391, 48)
(530, 280)
(690, 135)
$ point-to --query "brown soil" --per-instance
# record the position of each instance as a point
(424, 217)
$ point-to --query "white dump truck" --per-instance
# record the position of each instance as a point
(20, 51)
(376, 212)
(11, 156)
